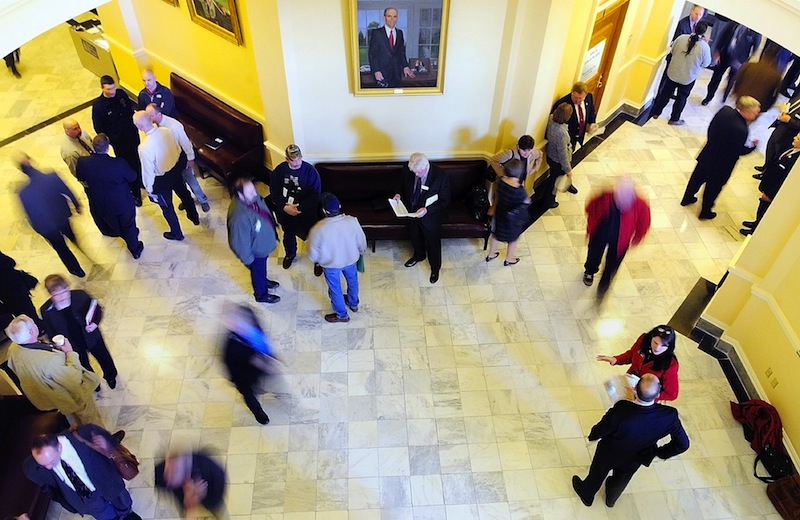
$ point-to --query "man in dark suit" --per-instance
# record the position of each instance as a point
(110, 201)
(44, 200)
(387, 52)
(727, 140)
(584, 116)
(687, 23)
(628, 434)
(734, 47)
(112, 114)
(425, 191)
(76, 315)
(774, 176)
(786, 127)
(79, 478)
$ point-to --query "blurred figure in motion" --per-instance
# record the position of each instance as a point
(45, 201)
(195, 479)
(247, 355)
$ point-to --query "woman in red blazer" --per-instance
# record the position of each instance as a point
(653, 353)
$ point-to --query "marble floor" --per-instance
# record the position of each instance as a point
(468, 399)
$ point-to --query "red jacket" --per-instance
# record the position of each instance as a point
(633, 224)
(668, 377)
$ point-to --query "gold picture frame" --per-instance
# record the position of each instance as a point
(173, 3)
(218, 16)
(420, 28)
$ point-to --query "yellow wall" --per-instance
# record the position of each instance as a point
(170, 41)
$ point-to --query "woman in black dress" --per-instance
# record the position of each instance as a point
(511, 215)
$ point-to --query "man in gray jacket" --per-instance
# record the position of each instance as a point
(252, 237)
(335, 243)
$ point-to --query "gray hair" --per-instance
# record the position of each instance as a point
(418, 162)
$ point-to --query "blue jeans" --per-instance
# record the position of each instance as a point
(191, 180)
(334, 280)
(258, 276)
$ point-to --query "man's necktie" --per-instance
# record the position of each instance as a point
(78, 484)
(581, 121)
(391, 40)
(417, 191)
(86, 146)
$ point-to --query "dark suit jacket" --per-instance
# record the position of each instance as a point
(205, 468)
(437, 184)
(382, 58)
(44, 200)
(628, 433)
(55, 323)
(684, 27)
(101, 471)
(590, 117)
(107, 179)
(727, 138)
(775, 173)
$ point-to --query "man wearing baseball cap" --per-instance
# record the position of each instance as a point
(335, 243)
(295, 189)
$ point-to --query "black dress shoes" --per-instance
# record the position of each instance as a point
(572, 189)
(688, 200)
(576, 485)
(705, 102)
(411, 262)
(269, 298)
(758, 176)
(434, 276)
(80, 273)
(749, 223)
(746, 231)
(707, 216)
(287, 261)
(317, 270)
(760, 168)
(139, 248)
(272, 284)
(172, 236)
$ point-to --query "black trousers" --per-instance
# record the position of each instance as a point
(128, 149)
(427, 242)
(763, 206)
(56, 239)
(714, 184)
(615, 483)
(681, 95)
(724, 64)
(600, 243)
(548, 188)
(103, 357)
(125, 222)
(164, 185)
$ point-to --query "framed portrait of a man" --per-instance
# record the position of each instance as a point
(398, 47)
(218, 16)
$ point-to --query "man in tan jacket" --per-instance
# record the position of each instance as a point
(51, 376)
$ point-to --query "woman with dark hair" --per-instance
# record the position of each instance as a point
(690, 55)
(558, 152)
(247, 356)
(511, 214)
(653, 353)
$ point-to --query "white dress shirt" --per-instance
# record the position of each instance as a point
(177, 129)
(70, 456)
(159, 153)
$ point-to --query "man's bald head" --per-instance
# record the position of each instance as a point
(142, 120)
(648, 388)
(72, 128)
(154, 112)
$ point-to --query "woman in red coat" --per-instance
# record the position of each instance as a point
(653, 353)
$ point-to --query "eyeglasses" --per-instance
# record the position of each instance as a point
(664, 331)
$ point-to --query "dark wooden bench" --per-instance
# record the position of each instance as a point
(205, 118)
(364, 187)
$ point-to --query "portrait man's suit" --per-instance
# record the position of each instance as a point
(727, 140)
(426, 232)
(628, 434)
(589, 117)
(108, 483)
(110, 201)
(385, 59)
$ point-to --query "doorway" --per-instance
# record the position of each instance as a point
(605, 36)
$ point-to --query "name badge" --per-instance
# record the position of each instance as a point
(258, 226)
(424, 187)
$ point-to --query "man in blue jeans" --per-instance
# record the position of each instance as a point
(335, 243)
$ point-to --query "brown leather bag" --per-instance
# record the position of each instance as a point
(126, 462)
(784, 494)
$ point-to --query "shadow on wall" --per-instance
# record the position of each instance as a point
(464, 141)
(371, 139)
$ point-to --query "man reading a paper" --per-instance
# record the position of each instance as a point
(425, 191)
(76, 315)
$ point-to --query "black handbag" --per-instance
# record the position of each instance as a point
(776, 462)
